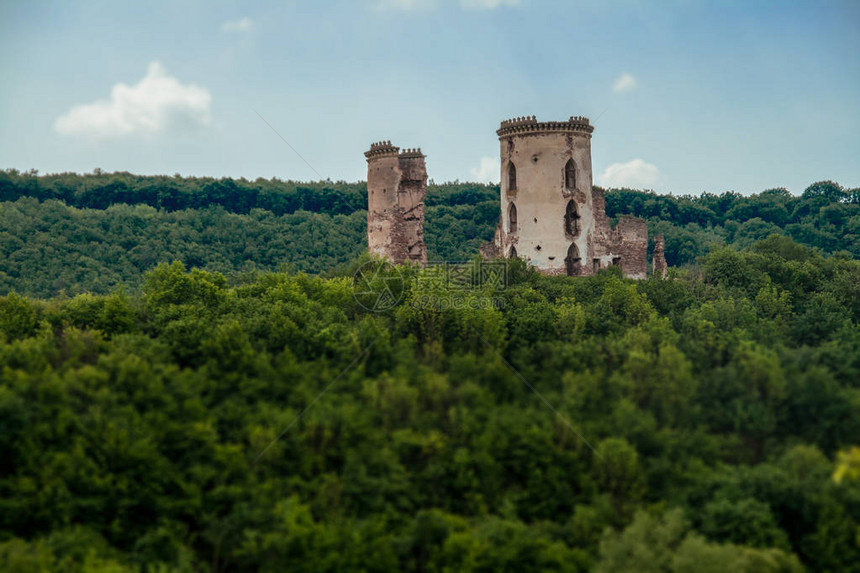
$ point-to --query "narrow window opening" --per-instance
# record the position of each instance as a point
(513, 253)
(570, 175)
(571, 219)
(572, 261)
(596, 265)
(512, 177)
(512, 218)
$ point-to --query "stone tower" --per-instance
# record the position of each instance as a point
(660, 269)
(396, 186)
(551, 215)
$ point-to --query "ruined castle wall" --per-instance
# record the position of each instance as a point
(410, 197)
(541, 197)
(626, 245)
(631, 246)
(561, 223)
(551, 215)
(603, 237)
(396, 187)
(661, 269)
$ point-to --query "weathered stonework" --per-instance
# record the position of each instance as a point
(551, 215)
(661, 269)
(396, 187)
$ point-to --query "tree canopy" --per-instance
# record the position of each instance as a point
(537, 424)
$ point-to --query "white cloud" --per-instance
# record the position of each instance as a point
(240, 25)
(155, 104)
(634, 174)
(487, 172)
(487, 4)
(624, 83)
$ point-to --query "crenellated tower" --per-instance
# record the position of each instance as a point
(396, 187)
(551, 215)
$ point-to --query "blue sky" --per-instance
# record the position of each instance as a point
(686, 96)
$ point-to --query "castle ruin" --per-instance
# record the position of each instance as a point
(551, 216)
(661, 269)
(396, 187)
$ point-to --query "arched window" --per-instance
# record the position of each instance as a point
(512, 218)
(570, 175)
(571, 219)
(512, 176)
(572, 261)
(513, 254)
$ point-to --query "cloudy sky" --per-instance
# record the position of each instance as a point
(686, 95)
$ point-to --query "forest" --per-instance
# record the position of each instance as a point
(73, 234)
(205, 387)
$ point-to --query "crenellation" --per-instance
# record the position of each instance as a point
(530, 125)
(381, 148)
(412, 153)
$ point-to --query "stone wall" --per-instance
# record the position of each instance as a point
(661, 269)
(396, 188)
(550, 213)
(540, 195)
(631, 246)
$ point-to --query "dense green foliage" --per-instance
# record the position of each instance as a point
(49, 247)
(94, 232)
(696, 422)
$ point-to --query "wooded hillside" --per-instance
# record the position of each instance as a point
(534, 424)
(93, 233)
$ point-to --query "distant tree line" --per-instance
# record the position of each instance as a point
(101, 190)
(825, 216)
(90, 233)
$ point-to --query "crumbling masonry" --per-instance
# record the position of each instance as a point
(551, 215)
(396, 187)
(661, 269)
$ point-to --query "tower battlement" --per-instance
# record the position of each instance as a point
(529, 124)
(381, 148)
(551, 215)
(412, 152)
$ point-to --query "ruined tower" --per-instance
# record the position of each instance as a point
(551, 215)
(396, 186)
(660, 269)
